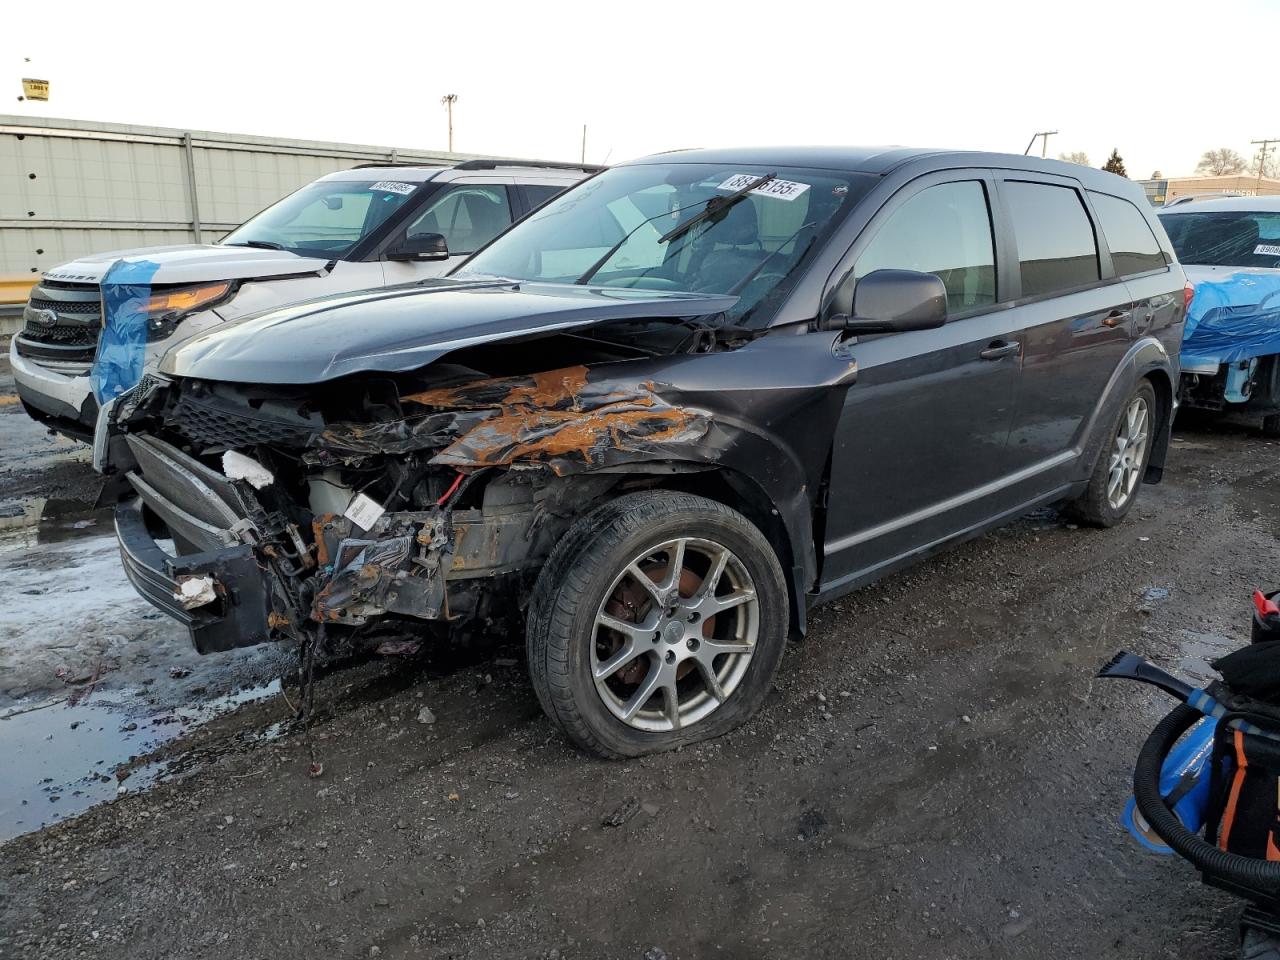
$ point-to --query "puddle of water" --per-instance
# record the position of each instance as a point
(60, 760)
(1155, 594)
(63, 520)
(1198, 649)
(42, 521)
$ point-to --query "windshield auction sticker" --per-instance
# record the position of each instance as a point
(394, 186)
(779, 189)
(1267, 250)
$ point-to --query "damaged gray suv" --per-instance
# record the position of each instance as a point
(660, 419)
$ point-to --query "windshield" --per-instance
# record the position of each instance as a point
(326, 218)
(1225, 239)
(668, 226)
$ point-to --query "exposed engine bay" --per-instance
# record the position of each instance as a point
(387, 495)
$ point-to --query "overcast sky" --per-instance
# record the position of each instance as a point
(655, 75)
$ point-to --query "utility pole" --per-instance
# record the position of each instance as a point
(584, 143)
(1044, 136)
(1262, 162)
(449, 99)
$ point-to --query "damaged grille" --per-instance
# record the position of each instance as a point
(213, 422)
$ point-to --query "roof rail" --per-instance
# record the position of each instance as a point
(544, 164)
(397, 163)
(1193, 197)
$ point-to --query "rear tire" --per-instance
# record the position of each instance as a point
(1271, 426)
(627, 666)
(1117, 476)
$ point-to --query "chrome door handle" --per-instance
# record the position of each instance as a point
(1115, 318)
(1001, 348)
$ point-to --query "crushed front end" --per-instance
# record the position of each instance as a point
(257, 513)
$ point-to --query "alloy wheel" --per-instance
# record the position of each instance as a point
(675, 634)
(1128, 453)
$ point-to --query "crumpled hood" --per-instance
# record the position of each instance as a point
(404, 328)
(192, 263)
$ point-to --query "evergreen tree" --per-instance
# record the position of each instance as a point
(1115, 164)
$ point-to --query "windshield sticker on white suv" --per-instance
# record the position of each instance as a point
(780, 189)
(1267, 250)
(394, 186)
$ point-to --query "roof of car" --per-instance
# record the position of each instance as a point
(875, 160)
(1225, 205)
(421, 173)
(404, 174)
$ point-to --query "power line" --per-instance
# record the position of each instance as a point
(1044, 142)
(1262, 161)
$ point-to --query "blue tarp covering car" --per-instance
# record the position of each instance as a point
(1230, 249)
(1233, 317)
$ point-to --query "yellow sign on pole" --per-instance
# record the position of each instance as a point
(35, 89)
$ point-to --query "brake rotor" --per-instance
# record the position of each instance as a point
(631, 603)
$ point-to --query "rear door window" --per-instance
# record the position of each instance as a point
(1056, 246)
(1134, 248)
(944, 230)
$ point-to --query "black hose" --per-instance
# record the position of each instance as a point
(1246, 871)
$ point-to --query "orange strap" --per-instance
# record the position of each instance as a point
(1229, 815)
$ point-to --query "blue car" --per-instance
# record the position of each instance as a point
(1230, 249)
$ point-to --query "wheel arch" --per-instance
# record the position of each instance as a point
(1162, 382)
(1146, 359)
(736, 490)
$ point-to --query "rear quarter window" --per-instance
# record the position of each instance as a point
(1056, 247)
(1134, 248)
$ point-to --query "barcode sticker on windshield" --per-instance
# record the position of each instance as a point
(394, 186)
(1267, 250)
(779, 189)
(363, 511)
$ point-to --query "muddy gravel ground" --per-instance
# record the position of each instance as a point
(937, 773)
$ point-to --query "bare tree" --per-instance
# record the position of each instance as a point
(1075, 156)
(1220, 163)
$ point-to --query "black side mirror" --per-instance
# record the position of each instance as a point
(420, 246)
(894, 301)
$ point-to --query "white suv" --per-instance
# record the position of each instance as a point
(372, 226)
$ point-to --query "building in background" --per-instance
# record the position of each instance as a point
(1167, 189)
(70, 188)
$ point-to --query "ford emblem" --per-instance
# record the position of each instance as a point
(45, 318)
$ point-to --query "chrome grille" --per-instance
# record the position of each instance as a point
(61, 322)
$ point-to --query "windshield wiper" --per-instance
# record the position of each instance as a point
(256, 244)
(716, 206)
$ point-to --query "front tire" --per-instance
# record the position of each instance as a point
(1116, 478)
(659, 620)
